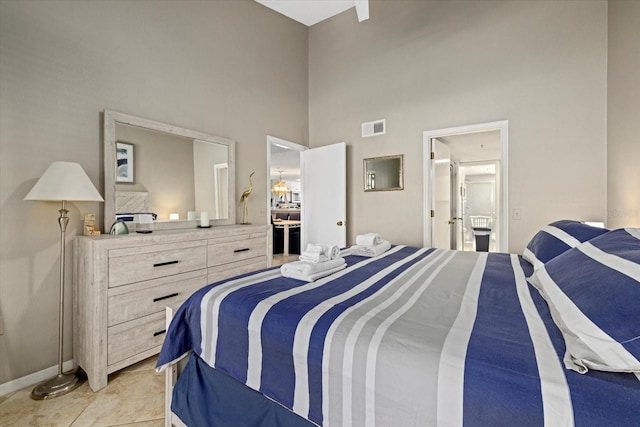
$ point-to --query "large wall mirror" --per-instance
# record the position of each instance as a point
(153, 167)
(383, 173)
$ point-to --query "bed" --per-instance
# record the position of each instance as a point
(420, 337)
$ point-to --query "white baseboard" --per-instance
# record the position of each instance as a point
(33, 379)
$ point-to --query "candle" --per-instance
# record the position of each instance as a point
(191, 215)
(204, 219)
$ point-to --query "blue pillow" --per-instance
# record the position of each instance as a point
(556, 238)
(593, 292)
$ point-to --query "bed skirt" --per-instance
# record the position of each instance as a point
(207, 397)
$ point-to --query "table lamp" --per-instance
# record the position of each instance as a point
(62, 182)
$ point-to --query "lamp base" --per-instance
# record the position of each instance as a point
(59, 385)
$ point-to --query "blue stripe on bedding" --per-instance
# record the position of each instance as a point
(500, 352)
(598, 398)
(234, 314)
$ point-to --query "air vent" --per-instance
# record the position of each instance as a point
(377, 127)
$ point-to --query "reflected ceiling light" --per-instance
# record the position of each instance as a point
(280, 188)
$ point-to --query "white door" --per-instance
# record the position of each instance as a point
(324, 195)
(441, 195)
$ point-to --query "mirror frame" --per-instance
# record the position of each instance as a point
(401, 177)
(111, 118)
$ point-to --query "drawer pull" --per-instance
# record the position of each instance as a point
(155, 334)
(165, 297)
(241, 250)
(160, 264)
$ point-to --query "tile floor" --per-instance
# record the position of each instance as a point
(279, 259)
(133, 397)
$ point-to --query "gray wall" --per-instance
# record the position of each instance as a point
(426, 65)
(228, 68)
(623, 129)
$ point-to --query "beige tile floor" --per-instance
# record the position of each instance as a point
(134, 396)
(279, 259)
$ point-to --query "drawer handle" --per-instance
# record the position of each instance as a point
(160, 264)
(241, 250)
(165, 297)
(155, 334)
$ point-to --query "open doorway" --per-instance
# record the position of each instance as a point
(284, 197)
(465, 172)
(477, 204)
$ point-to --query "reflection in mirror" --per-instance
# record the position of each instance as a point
(177, 171)
(383, 173)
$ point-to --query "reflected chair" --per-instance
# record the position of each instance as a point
(278, 238)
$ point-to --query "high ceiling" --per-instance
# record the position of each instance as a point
(309, 12)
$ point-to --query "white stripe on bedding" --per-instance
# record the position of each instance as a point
(454, 351)
(635, 232)
(556, 399)
(254, 371)
(622, 265)
(214, 297)
(372, 353)
(308, 322)
(349, 347)
(530, 256)
(562, 235)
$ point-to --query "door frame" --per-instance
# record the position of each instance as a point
(503, 192)
(271, 141)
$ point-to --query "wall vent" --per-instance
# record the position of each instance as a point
(377, 127)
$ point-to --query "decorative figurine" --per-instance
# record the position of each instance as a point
(245, 198)
(90, 228)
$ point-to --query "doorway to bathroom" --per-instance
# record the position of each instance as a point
(465, 190)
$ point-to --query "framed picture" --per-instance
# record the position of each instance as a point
(124, 162)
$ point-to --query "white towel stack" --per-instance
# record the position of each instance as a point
(319, 253)
(311, 271)
(316, 261)
(370, 245)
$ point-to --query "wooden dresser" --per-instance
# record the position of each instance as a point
(122, 284)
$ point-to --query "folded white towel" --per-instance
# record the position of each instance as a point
(316, 276)
(313, 257)
(305, 267)
(371, 251)
(345, 252)
(368, 239)
(312, 247)
(319, 253)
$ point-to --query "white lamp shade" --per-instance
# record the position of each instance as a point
(64, 181)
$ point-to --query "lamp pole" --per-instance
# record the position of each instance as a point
(62, 383)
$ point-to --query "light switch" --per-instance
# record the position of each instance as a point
(516, 214)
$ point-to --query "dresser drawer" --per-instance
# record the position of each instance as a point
(226, 271)
(224, 251)
(130, 338)
(151, 296)
(137, 264)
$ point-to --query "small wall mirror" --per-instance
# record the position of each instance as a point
(384, 173)
(168, 171)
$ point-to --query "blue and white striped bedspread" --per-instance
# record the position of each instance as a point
(415, 337)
